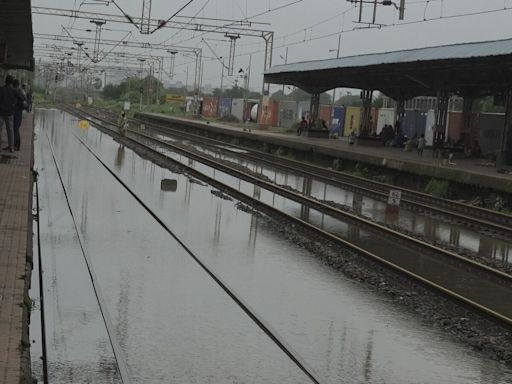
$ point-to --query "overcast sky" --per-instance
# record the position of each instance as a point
(304, 26)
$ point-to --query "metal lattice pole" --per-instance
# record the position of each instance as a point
(145, 24)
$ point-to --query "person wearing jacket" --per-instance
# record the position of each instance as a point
(7, 102)
(21, 104)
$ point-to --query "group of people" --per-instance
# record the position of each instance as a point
(306, 124)
(14, 99)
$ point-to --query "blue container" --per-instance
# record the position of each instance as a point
(225, 107)
(338, 120)
(414, 123)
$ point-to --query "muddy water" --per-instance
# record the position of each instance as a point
(173, 324)
(424, 225)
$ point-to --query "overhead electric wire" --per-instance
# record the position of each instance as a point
(191, 19)
(126, 15)
(355, 29)
(172, 16)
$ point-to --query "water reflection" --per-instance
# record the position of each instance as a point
(421, 224)
(174, 330)
(119, 161)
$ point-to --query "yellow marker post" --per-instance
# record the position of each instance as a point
(83, 124)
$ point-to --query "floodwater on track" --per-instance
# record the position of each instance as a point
(425, 225)
(173, 324)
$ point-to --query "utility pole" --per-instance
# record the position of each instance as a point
(334, 90)
(141, 88)
(222, 77)
(79, 45)
(286, 62)
(186, 82)
(172, 63)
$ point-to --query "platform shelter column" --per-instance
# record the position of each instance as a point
(314, 106)
(399, 113)
(469, 129)
(443, 99)
(365, 128)
(505, 152)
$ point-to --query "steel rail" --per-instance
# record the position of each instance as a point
(322, 207)
(413, 199)
(480, 307)
(499, 221)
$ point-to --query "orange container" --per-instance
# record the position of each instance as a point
(210, 106)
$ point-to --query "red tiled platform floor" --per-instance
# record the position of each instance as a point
(15, 245)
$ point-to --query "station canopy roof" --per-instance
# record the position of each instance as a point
(16, 39)
(471, 69)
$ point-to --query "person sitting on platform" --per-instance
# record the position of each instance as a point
(303, 125)
(351, 138)
(399, 140)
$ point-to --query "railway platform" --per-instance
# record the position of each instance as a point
(467, 171)
(16, 181)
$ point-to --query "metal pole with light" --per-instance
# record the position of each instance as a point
(141, 88)
(334, 90)
(285, 58)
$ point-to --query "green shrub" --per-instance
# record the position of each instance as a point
(438, 188)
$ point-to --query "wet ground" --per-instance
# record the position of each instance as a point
(173, 324)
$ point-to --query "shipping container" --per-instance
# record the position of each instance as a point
(455, 123)
(225, 107)
(386, 116)
(430, 123)
(352, 120)
(209, 106)
(338, 120)
(237, 109)
(374, 115)
(303, 110)
(270, 114)
(414, 123)
(491, 131)
(325, 113)
(288, 113)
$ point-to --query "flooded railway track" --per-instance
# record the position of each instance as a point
(482, 288)
(471, 216)
(474, 239)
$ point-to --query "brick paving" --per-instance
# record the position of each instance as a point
(15, 253)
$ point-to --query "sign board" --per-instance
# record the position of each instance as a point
(89, 100)
(126, 106)
(394, 197)
(169, 98)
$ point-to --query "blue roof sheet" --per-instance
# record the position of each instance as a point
(445, 52)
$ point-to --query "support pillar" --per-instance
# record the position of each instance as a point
(365, 128)
(314, 106)
(505, 152)
(441, 119)
(469, 131)
(399, 114)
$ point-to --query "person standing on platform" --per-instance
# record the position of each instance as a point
(421, 144)
(21, 104)
(7, 102)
